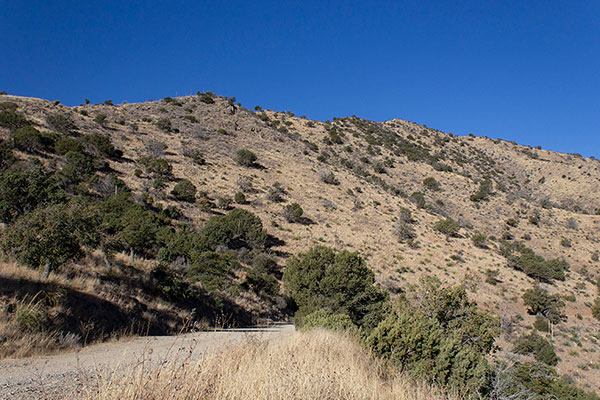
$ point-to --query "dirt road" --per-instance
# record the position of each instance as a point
(64, 375)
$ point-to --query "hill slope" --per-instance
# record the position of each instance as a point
(355, 180)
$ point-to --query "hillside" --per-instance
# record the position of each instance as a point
(378, 188)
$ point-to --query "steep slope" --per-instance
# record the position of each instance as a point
(355, 179)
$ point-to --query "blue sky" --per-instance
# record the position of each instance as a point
(527, 71)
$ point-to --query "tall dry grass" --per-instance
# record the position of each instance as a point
(313, 365)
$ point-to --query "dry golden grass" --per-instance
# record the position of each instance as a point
(313, 365)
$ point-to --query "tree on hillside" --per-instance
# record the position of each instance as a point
(45, 237)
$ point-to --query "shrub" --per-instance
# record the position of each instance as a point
(479, 240)
(61, 123)
(525, 259)
(196, 155)
(78, 167)
(100, 119)
(293, 212)
(326, 319)
(404, 231)
(7, 157)
(540, 302)
(164, 124)
(276, 193)
(184, 190)
(564, 242)
(12, 120)
(65, 144)
(262, 282)
(512, 222)
(245, 157)
(340, 282)
(190, 118)
(239, 228)
(542, 350)
(27, 139)
(436, 333)
(44, 237)
(157, 166)
(240, 198)
(448, 227)
(108, 102)
(206, 98)
(596, 309)
(541, 324)
(212, 269)
(328, 177)
(419, 199)
(102, 145)
(483, 192)
(169, 284)
(431, 184)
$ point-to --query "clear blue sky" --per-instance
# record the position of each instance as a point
(520, 70)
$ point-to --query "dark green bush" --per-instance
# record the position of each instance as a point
(240, 198)
(79, 167)
(157, 166)
(239, 228)
(293, 212)
(525, 259)
(212, 269)
(448, 227)
(432, 184)
(540, 348)
(340, 282)
(66, 144)
(12, 120)
(327, 320)
(169, 284)
(262, 282)
(164, 124)
(100, 119)
(196, 155)
(483, 192)
(61, 123)
(245, 157)
(436, 333)
(184, 190)
(596, 309)
(479, 240)
(7, 156)
(206, 98)
(540, 302)
(28, 139)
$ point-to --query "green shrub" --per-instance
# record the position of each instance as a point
(437, 334)
(240, 198)
(479, 240)
(541, 324)
(448, 227)
(276, 193)
(206, 98)
(102, 145)
(27, 139)
(79, 167)
(404, 231)
(61, 123)
(190, 118)
(327, 320)
(100, 119)
(483, 192)
(261, 281)
(169, 284)
(239, 228)
(293, 212)
(212, 269)
(7, 156)
(245, 157)
(419, 199)
(564, 242)
(596, 309)
(512, 222)
(340, 282)
(540, 302)
(66, 144)
(431, 184)
(328, 177)
(525, 259)
(157, 166)
(164, 124)
(184, 190)
(196, 155)
(44, 237)
(12, 120)
(542, 350)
